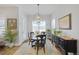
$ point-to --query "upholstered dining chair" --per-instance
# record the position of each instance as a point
(30, 35)
(41, 43)
(32, 39)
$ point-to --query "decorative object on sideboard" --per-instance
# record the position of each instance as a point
(57, 32)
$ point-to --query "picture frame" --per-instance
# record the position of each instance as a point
(12, 24)
(65, 22)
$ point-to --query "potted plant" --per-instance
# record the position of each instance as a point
(57, 32)
(10, 37)
(48, 30)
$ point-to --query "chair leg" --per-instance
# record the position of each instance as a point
(29, 41)
(37, 50)
(44, 49)
(37, 47)
(32, 44)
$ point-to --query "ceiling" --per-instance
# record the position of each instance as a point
(43, 9)
(32, 9)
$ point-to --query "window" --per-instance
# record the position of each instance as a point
(38, 26)
(2, 26)
(53, 24)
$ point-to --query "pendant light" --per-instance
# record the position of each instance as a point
(38, 16)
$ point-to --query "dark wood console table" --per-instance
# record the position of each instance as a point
(66, 43)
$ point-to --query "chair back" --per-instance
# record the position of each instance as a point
(42, 40)
(31, 34)
(43, 33)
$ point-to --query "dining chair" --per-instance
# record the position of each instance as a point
(30, 35)
(32, 39)
(41, 43)
(29, 38)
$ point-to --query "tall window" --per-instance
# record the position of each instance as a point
(53, 24)
(2, 26)
(38, 26)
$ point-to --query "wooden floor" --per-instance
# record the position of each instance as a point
(26, 49)
(8, 51)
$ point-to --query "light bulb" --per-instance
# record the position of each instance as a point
(38, 17)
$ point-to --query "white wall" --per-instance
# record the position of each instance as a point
(63, 10)
(22, 26)
(8, 12)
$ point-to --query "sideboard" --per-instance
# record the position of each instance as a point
(65, 43)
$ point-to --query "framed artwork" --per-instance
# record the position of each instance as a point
(65, 22)
(12, 24)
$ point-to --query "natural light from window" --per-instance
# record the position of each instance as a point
(39, 26)
(2, 26)
(53, 24)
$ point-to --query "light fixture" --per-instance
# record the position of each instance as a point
(38, 16)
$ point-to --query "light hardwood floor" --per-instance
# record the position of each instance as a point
(26, 49)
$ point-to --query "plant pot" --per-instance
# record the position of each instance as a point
(10, 45)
